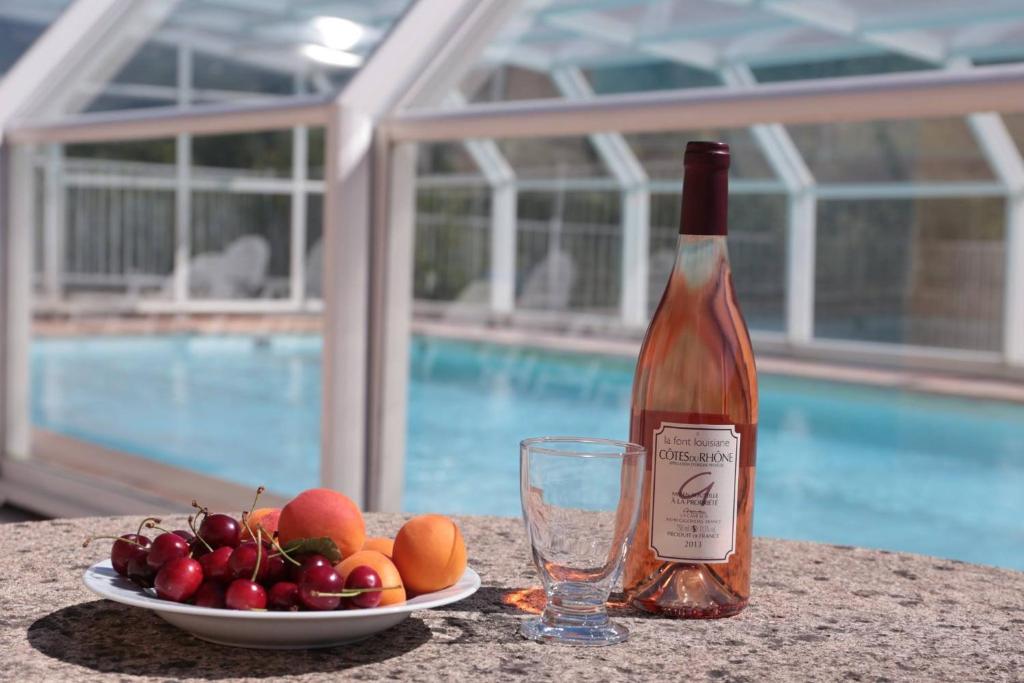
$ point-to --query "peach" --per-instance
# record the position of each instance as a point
(262, 517)
(379, 563)
(429, 553)
(385, 546)
(322, 512)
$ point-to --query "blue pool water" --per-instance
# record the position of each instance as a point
(836, 463)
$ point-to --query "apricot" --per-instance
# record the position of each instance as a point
(429, 553)
(382, 545)
(262, 517)
(322, 512)
(379, 563)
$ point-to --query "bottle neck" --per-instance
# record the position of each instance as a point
(705, 208)
(702, 261)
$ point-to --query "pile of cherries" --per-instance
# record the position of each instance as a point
(222, 563)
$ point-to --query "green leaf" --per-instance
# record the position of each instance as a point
(321, 546)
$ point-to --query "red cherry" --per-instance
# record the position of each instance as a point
(315, 583)
(243, 561)
(219, 530)
(187, 535)
(284, 595)
(125, 548)
(140, 572)
(363, 577)
(179, 579)
(244, 594)
(210, 594)
(215, 564)
(277, 569)
(166, 547)
(305, 562)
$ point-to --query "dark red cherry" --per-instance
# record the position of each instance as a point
(140, 572)
(242, 562)
(166, 547)
(215, 564)
(316, 586)
(125, 548)
(305, 562)
(210, 594)
(277, 569)
(244, 594)
(284, 595)
(363, 577)
(218, 530)
(179, 579)
(187, 535)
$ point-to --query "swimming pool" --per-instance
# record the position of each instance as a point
(836, 463)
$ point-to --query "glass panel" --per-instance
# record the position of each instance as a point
(237, 51)
(21, 22)
(569, 247)
(223, 382)
(117, 241)
(648, 45)
(314, 245)
(923, 272)
(453, 239)
(1015, 124)
(877, 151)
(446, 158)
(573, 157)
(240, 246)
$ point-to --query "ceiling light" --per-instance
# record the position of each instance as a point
(338, 33)
(326, 55)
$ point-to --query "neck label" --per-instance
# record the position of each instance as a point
(695, 475)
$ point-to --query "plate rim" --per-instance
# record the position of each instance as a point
(98, 584)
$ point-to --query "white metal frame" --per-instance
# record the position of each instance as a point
(369, 190)
(857, 98)
(368, 233)
(787, 163)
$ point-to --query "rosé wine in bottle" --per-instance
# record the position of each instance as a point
(695, 410)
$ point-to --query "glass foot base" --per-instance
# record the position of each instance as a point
(574, 632)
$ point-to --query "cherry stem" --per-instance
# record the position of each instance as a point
(195, 531)
(153, 525)
(143, 523)
(90, 539)
(200, 510)
(259, 492)
(352, 592)
(277, 546)
(245, 523)
(259, 554)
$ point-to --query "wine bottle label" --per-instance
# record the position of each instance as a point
(695, 473)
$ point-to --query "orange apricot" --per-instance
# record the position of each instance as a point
(379, 563)
(262, 517)
(429, 553)
(322, 512)
(382, 545)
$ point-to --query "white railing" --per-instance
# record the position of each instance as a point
(118, 247)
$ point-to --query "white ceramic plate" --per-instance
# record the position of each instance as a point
(273, 630)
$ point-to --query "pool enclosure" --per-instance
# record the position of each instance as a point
(502, 163)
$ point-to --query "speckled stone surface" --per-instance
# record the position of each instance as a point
(818, 613)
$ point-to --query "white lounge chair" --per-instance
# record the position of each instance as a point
(549, 285)
(238, 272)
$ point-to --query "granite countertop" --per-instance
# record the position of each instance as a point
(818, 612)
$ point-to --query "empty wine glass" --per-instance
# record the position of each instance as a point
(580, 502)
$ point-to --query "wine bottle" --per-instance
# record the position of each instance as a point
(694, 408)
